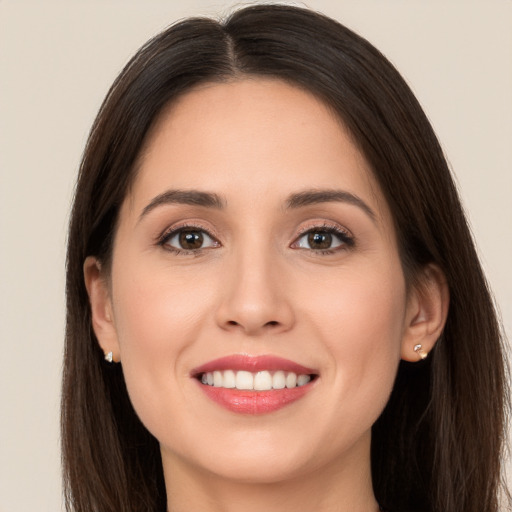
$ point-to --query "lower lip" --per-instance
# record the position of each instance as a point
(254, 402)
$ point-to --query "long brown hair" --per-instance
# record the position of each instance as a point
(438, 443)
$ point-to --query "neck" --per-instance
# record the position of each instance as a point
(343, 487)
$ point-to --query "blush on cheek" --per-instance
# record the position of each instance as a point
(367, 316)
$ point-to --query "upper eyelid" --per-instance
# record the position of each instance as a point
(325, 225)
(163, 241)
(343, 234)
(175, 228)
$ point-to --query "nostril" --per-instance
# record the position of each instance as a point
(253, 325)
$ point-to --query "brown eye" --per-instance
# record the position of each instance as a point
(320, 240)
(188, 239)
(324, 239)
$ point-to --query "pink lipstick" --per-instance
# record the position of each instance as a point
(254, 384)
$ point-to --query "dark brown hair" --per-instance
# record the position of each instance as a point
(438, 443)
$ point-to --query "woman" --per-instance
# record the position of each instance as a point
(274, 301)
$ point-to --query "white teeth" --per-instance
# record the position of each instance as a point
(244, 380)
(217, 379)
(229, 379)
(291, 380)
(263, 381)
(259, 381)
(303, 379)
(278, 380)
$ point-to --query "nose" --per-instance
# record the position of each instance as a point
(255, 299)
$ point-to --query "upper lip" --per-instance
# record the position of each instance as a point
(250, 363)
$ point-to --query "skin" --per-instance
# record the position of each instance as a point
(258, 288)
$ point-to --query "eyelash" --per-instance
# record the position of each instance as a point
(169, 234)
(343, 235)
(346, 239)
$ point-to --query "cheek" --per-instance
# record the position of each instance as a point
(360, 319)
(156, 308)
(157, 319)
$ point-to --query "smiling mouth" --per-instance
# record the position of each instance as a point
(254, 381)
(249, 384)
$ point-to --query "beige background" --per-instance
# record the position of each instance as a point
(57, 60)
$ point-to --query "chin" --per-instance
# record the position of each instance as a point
(258, 469)
(251, 458)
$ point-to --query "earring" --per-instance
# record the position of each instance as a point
(421, 353)
(108, 357)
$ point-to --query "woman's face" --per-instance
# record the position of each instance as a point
(256, 249)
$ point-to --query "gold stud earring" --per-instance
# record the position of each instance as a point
(421, 353)
(109, 357)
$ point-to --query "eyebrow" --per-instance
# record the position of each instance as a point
(294, 201)
(187, 197)
(312, 197)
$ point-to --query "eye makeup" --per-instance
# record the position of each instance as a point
(324, 238)
(188, 239)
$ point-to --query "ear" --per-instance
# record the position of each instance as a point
(101, 307)
(427, 309)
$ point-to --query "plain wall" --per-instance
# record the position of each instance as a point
(57, 60)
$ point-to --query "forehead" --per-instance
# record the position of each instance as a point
(263, 135)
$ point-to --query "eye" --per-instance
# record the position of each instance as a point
(324, 239)
(188, 239)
